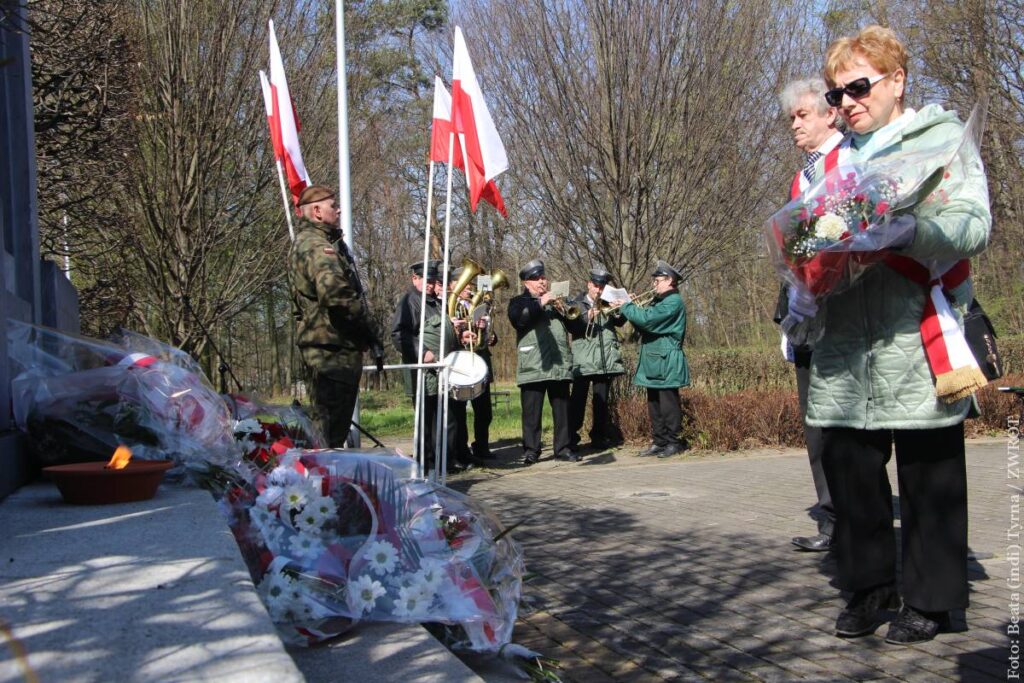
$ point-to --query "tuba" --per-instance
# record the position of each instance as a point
(470, 269)
(499, 280)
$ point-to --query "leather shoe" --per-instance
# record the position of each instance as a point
(655, 449)
(671, 449)
(530, 459)
(570, 456)
(815, 544)
(914, 626)
(863, 613)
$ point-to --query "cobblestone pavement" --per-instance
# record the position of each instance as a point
(682, 570)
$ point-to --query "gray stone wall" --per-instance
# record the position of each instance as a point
(30, 290)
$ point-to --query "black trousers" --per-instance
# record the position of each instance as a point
(932, 478)
(432, 438)
(666, 417)
(482, 416)
(532, 399)
(824, 511)
(332, 396)
(601, 427)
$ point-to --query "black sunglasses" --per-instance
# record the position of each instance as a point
(855, 89)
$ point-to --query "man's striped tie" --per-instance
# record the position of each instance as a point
(812, 158)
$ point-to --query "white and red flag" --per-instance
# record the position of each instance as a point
(284, 124)
(482, 149)
(442, 128)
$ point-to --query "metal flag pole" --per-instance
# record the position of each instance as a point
(418, 433)
(344, 190)
(442, 389)
(284, 199)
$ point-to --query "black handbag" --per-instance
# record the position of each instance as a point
(981, 338)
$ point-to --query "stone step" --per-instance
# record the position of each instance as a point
(157, 590)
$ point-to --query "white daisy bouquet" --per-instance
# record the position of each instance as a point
(335, 537)
(265, 432)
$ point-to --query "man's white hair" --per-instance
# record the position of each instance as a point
(795, 91)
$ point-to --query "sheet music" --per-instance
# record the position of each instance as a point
(560, 289)
(612, 294)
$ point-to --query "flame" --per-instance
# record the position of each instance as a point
(119, 460)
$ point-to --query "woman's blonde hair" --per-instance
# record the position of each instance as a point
(876, 44)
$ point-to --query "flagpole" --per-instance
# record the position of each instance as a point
(442, 376)
(284, 198)
(418, 431)
(344, 190)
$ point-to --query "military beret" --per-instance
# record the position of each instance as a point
(314, 194)
(665, 269)
(534, 268)
(600, 276)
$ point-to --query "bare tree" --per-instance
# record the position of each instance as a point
(638, 130)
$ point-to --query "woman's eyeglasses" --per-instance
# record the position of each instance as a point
(855, 89)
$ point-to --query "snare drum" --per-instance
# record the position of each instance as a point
(467, 375)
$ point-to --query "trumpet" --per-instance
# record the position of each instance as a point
(565, 309)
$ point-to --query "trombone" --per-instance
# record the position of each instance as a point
(603, 308)
(642, 299)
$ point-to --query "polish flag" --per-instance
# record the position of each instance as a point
(482, 150)
(284, 124)
(442, 128)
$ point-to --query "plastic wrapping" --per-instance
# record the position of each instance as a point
(334, 537)
(79, 398)
(330, 537)
(825, 239)
(265, 431)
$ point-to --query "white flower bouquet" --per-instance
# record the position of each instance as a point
(335, 537)
(824, 240)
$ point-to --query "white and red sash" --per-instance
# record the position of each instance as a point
(956, 371)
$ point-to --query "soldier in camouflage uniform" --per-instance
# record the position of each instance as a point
(334, 325)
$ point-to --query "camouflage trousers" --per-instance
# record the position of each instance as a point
(332, 396)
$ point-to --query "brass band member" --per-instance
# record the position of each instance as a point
(543, 363)
(482, 413)
(405, 323)
(662, 368)
(596, 361)
(405, 333)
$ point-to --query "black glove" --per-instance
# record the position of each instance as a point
(377, 351)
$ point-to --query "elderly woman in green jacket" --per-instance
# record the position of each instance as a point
(871, 385)
(662, 368)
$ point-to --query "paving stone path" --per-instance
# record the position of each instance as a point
(682, 570)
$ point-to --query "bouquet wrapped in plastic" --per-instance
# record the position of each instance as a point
(821, 242)
(79, 398)
(335, 537)
(265, 431)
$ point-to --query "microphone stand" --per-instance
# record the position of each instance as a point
(223, 367)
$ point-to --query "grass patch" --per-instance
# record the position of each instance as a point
(390, 413)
